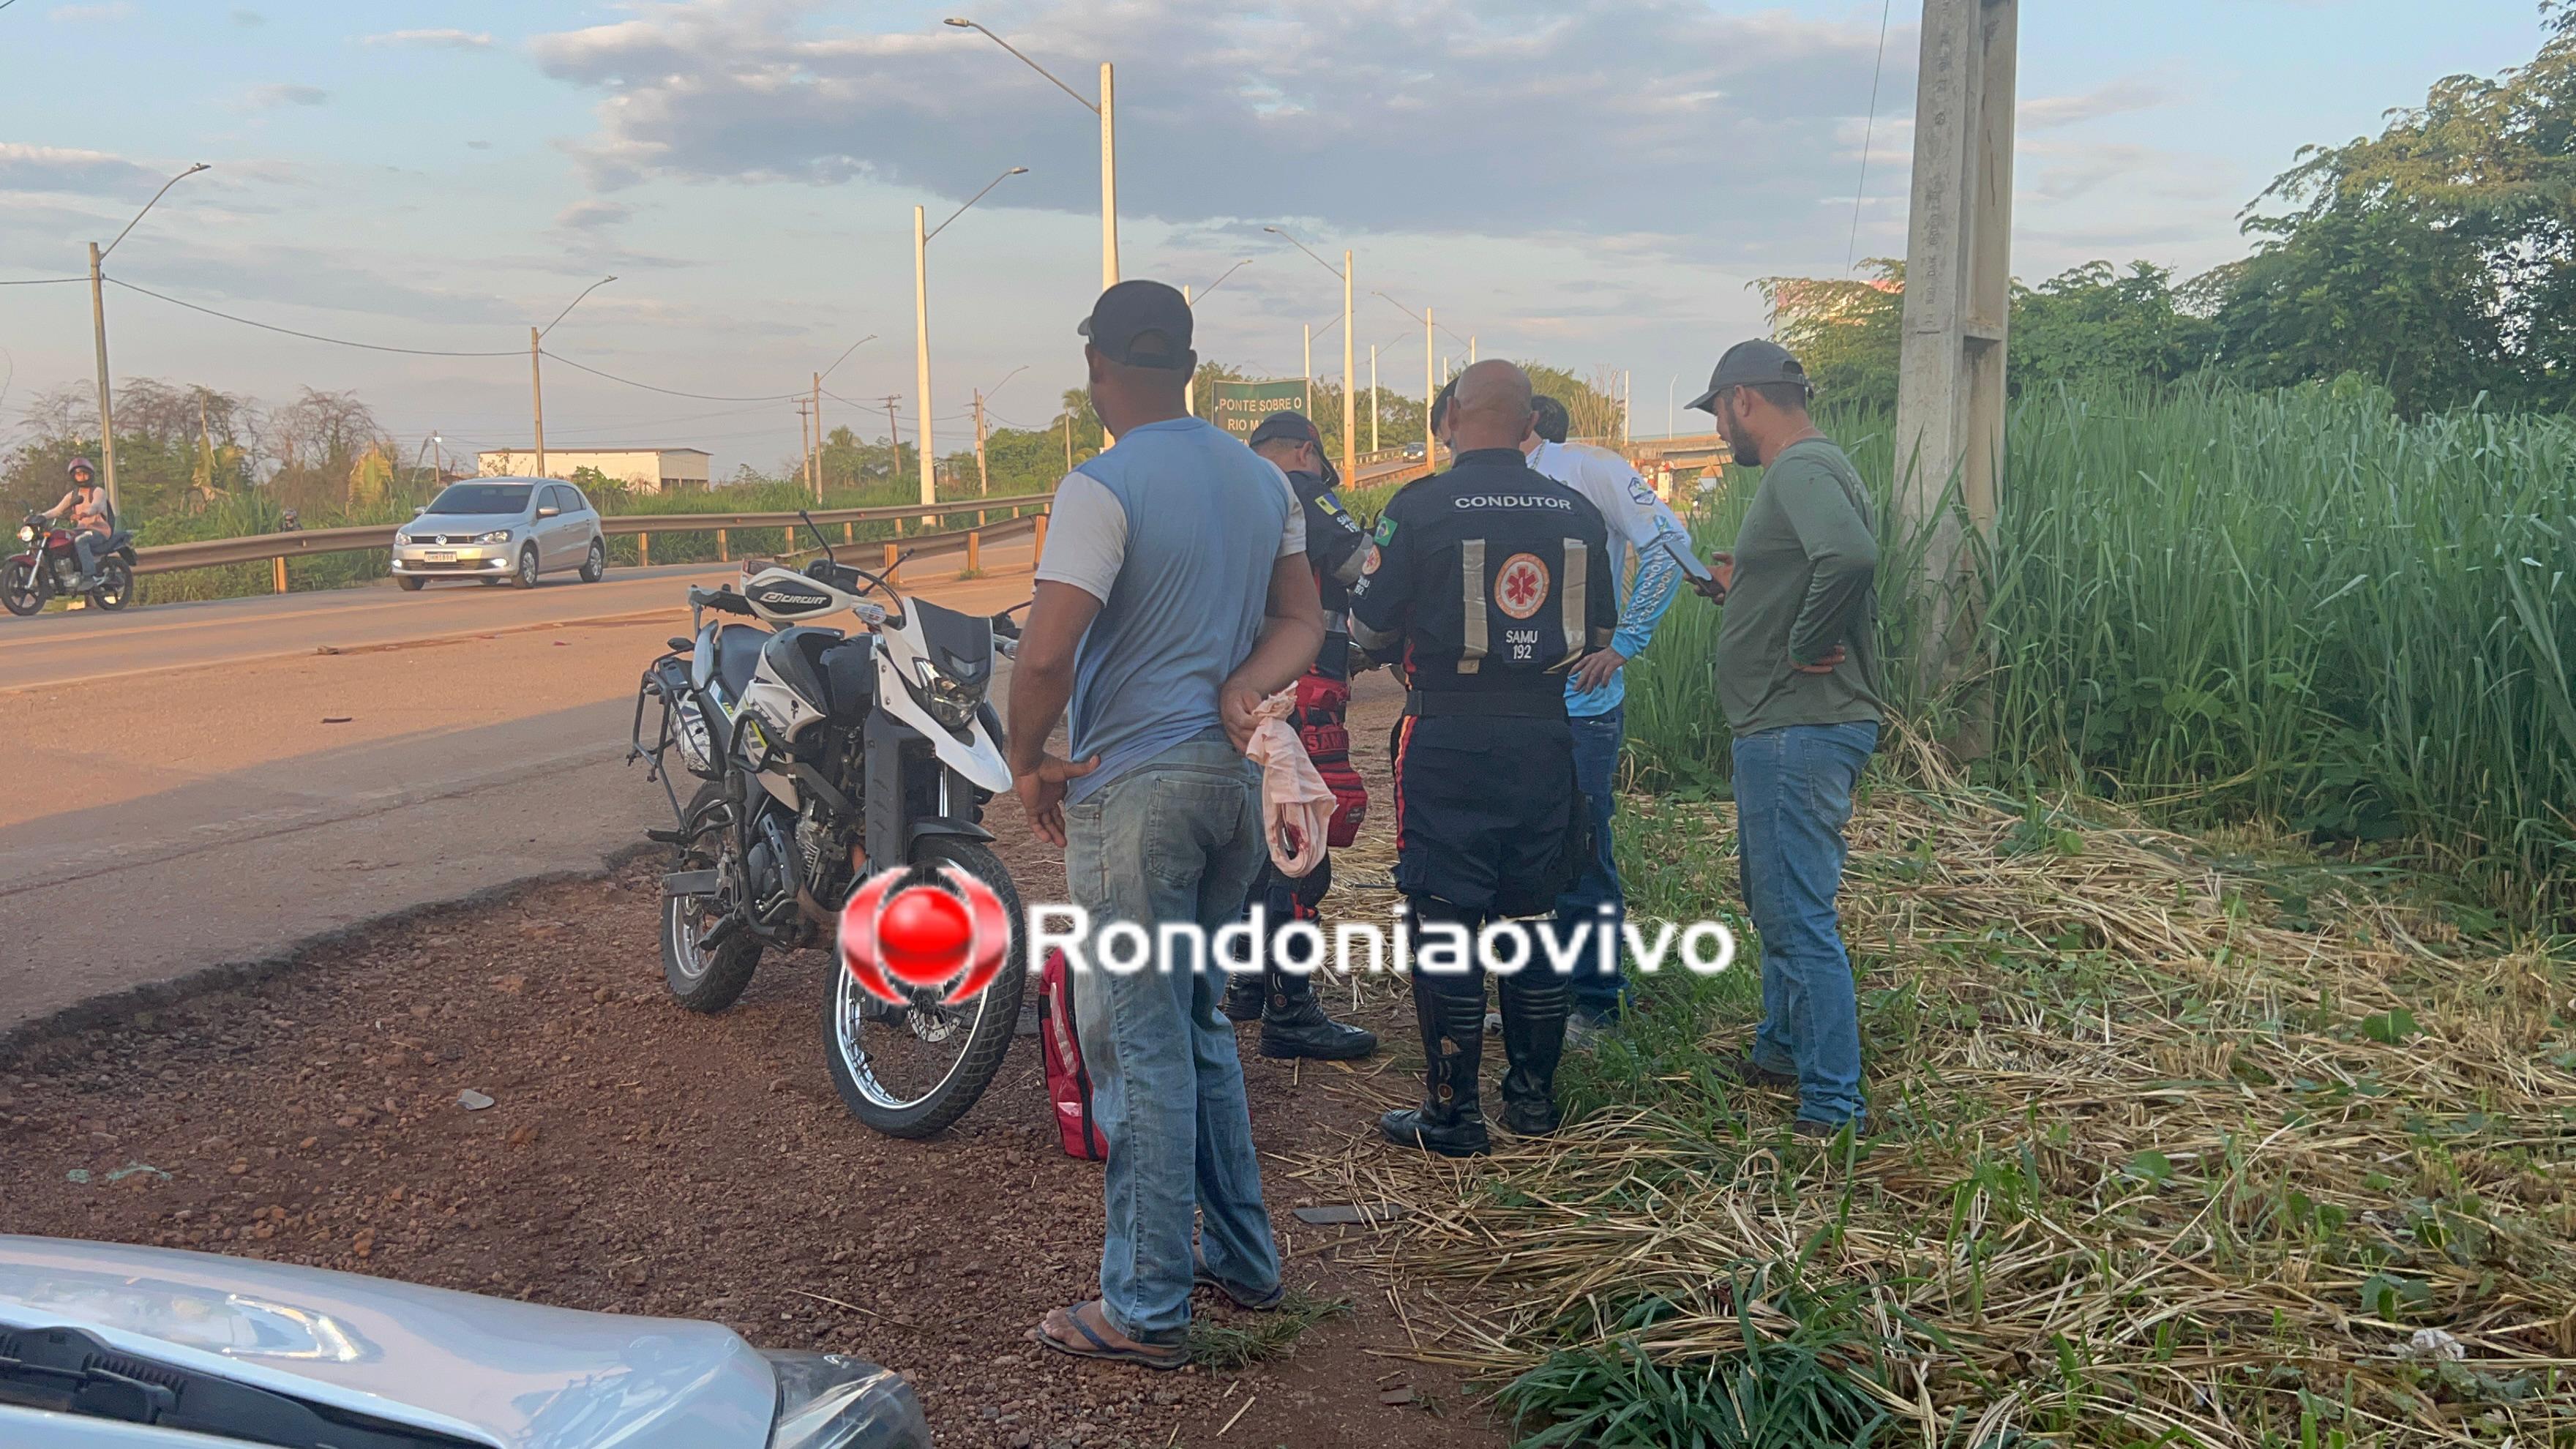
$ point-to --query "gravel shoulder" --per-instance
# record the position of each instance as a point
(640, 1159)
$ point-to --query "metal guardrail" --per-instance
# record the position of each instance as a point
(214, 552)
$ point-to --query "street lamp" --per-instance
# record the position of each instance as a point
(1190, 389)
(98, 327)
(1350, 398)
(536, 378)
(814, 459)
(1430, 377)
(1106, 109)
(921, 327)
(984, 474)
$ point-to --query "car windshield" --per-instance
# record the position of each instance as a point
(482, 498)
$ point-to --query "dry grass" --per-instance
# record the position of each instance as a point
(2173, 1150)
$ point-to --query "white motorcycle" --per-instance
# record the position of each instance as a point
(829, 758)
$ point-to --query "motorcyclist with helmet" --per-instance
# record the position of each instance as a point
(93, 518)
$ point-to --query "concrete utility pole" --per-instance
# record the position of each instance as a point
(894, 439)
(1430, 390)
(1068, 442)
(98, 326)
(106, 412)
(921, 353)
(1190, 389)
(1350, 395)
(983, 474)
(1372, 397)
(1958, 294)
(537, 397)
(1310, 372)
(818, 440)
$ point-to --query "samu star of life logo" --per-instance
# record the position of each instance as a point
(1520, 587)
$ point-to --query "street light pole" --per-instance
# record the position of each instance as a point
(1430, 390)
(98, 328)
(1107, 109)
(536, 378)
(1372, 397)
(1310, 372)
(921, 328)
(921, 353)
(1350, 398)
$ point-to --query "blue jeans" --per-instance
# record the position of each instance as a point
(89, 548)
(1793, 796)
(1177, 838)
(1596, 763)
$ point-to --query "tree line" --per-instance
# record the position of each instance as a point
(2436, 260)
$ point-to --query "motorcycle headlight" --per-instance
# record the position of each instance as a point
(949, 702)
(498, 535)
(832, 1401)
(26, 533)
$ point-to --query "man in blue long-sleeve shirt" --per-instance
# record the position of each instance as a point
(1595, 694)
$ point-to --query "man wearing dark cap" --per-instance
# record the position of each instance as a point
(1798, 675)
(1293, 1022)
(1488, 583)
(1173, 596)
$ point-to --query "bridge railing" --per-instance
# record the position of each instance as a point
(215, 552)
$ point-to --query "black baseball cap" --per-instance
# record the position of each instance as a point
(1296, 427)
(1748, 364)
(1286, 423)
(1141, 324)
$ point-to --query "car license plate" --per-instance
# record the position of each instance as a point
(439, 555)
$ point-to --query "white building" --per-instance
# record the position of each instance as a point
(643, 470)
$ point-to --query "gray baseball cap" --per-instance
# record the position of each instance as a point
(1748, 363)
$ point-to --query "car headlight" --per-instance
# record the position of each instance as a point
(401, 538)
(832, 1401)
(949, 702)
(26, 533)
(498, 535)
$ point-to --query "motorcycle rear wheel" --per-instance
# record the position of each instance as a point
(885, 1060)
(702, 980)
(20, 592)
(115, 585)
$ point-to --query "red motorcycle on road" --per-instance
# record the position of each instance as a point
(51, 567)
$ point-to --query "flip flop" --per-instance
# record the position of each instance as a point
(1262, 1303)
(1167, 1357)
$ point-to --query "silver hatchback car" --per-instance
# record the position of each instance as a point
(518, 529)
(104, 1346)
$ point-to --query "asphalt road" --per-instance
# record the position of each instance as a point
(205, 785)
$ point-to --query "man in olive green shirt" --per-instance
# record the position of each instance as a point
(1798, 675)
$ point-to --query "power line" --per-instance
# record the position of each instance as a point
(1851, 245)
(307, 336)
(41, 281)
(665, 391)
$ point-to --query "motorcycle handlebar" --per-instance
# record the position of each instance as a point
(723, 601)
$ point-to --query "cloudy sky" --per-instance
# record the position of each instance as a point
(1591, 183)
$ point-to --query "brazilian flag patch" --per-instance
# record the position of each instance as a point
(1386, 528)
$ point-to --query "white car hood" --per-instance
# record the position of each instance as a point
(516, 1375)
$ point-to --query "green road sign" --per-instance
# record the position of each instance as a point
(1239, 407)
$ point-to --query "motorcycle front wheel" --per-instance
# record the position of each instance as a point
(910, 1071)
(700, 979)
(19, 590)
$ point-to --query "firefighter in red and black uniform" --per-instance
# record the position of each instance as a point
(1484, 586)
(1293, 1023)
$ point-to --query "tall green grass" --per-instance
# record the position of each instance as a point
(2287, 606)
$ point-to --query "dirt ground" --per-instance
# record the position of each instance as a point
(640, 1159)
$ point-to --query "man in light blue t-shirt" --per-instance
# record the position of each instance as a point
(1174, 595)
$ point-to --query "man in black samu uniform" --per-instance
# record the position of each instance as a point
(1488, 583)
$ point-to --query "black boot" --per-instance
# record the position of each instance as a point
(1452, 1021)
(1293, 1024)
(1535, 1003)
(1244, 996)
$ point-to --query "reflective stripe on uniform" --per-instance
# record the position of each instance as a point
(1471, 598)
(1578, 559)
